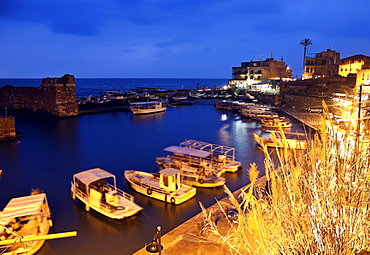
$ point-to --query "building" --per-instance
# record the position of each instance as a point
(55, 96)
(323, 64)
(352, 64)
(254, 72)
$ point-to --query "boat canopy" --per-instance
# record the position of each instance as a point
(214, 148)
(188, 151)
(145, 103)
(92, 175)
(169, 171)
(22, 206)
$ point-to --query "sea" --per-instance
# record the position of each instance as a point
(96, 86)
(52, 150)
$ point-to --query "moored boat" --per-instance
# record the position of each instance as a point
(189, 158)
(196, 179)
(96, 188)
(147, 107)
(253, 111)
(283, 140)
(166, 187)
(275, 123)
(25, 216)
(221, 155)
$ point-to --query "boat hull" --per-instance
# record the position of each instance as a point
(204, 181)
(146, 184)
(148, 111)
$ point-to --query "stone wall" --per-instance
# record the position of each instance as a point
(292, 100)
(56, 96)
(303, 102)
(266, 98)
(7, 128)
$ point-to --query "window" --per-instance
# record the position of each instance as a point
(165, 180)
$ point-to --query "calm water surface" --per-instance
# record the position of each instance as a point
(51, 151)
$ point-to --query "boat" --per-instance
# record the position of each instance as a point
(166, 187)
(96, 188)
(24, 217)
(179, 98)
(275, 123)
(253, 110)
(296, 141)
(224, 105)
(221, 155)
(147, 107)
(189, 158)
(193, 176)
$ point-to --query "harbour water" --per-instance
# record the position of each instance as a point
(52, 150)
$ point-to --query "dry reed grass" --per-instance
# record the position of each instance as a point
(314, 203)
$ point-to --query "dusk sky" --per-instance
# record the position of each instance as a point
(173, 38)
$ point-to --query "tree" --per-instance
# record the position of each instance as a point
(305, 42)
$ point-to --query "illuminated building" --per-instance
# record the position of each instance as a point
(255, 72)
(323, 64)
(352, 64)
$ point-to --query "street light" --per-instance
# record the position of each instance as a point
(155, 246)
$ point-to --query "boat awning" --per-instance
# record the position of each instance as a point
(22, 206)
(188, 151)
(169, 171)
(92, 175)
(145, 103)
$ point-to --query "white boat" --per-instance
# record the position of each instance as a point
(275, 123)
(253, 111)
(193, 178)
(286, 140)
(147, 107)
(189, 158)
(221, 155)
(96, 188)
(166, 187)
(24, 217)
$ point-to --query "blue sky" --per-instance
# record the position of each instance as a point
(171, 38)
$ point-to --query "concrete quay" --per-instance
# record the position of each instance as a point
(192, 237)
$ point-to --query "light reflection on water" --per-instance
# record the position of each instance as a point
(51, 151)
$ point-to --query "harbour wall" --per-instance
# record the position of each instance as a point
(55, 96)
(292, 100)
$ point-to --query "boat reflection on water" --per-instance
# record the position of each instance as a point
(148, 117)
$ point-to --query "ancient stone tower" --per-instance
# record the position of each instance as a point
(55, 96)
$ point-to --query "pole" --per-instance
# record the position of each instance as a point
(38, 238)
(159, 239)
(359, 111)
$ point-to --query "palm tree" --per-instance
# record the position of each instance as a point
(305, 42)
